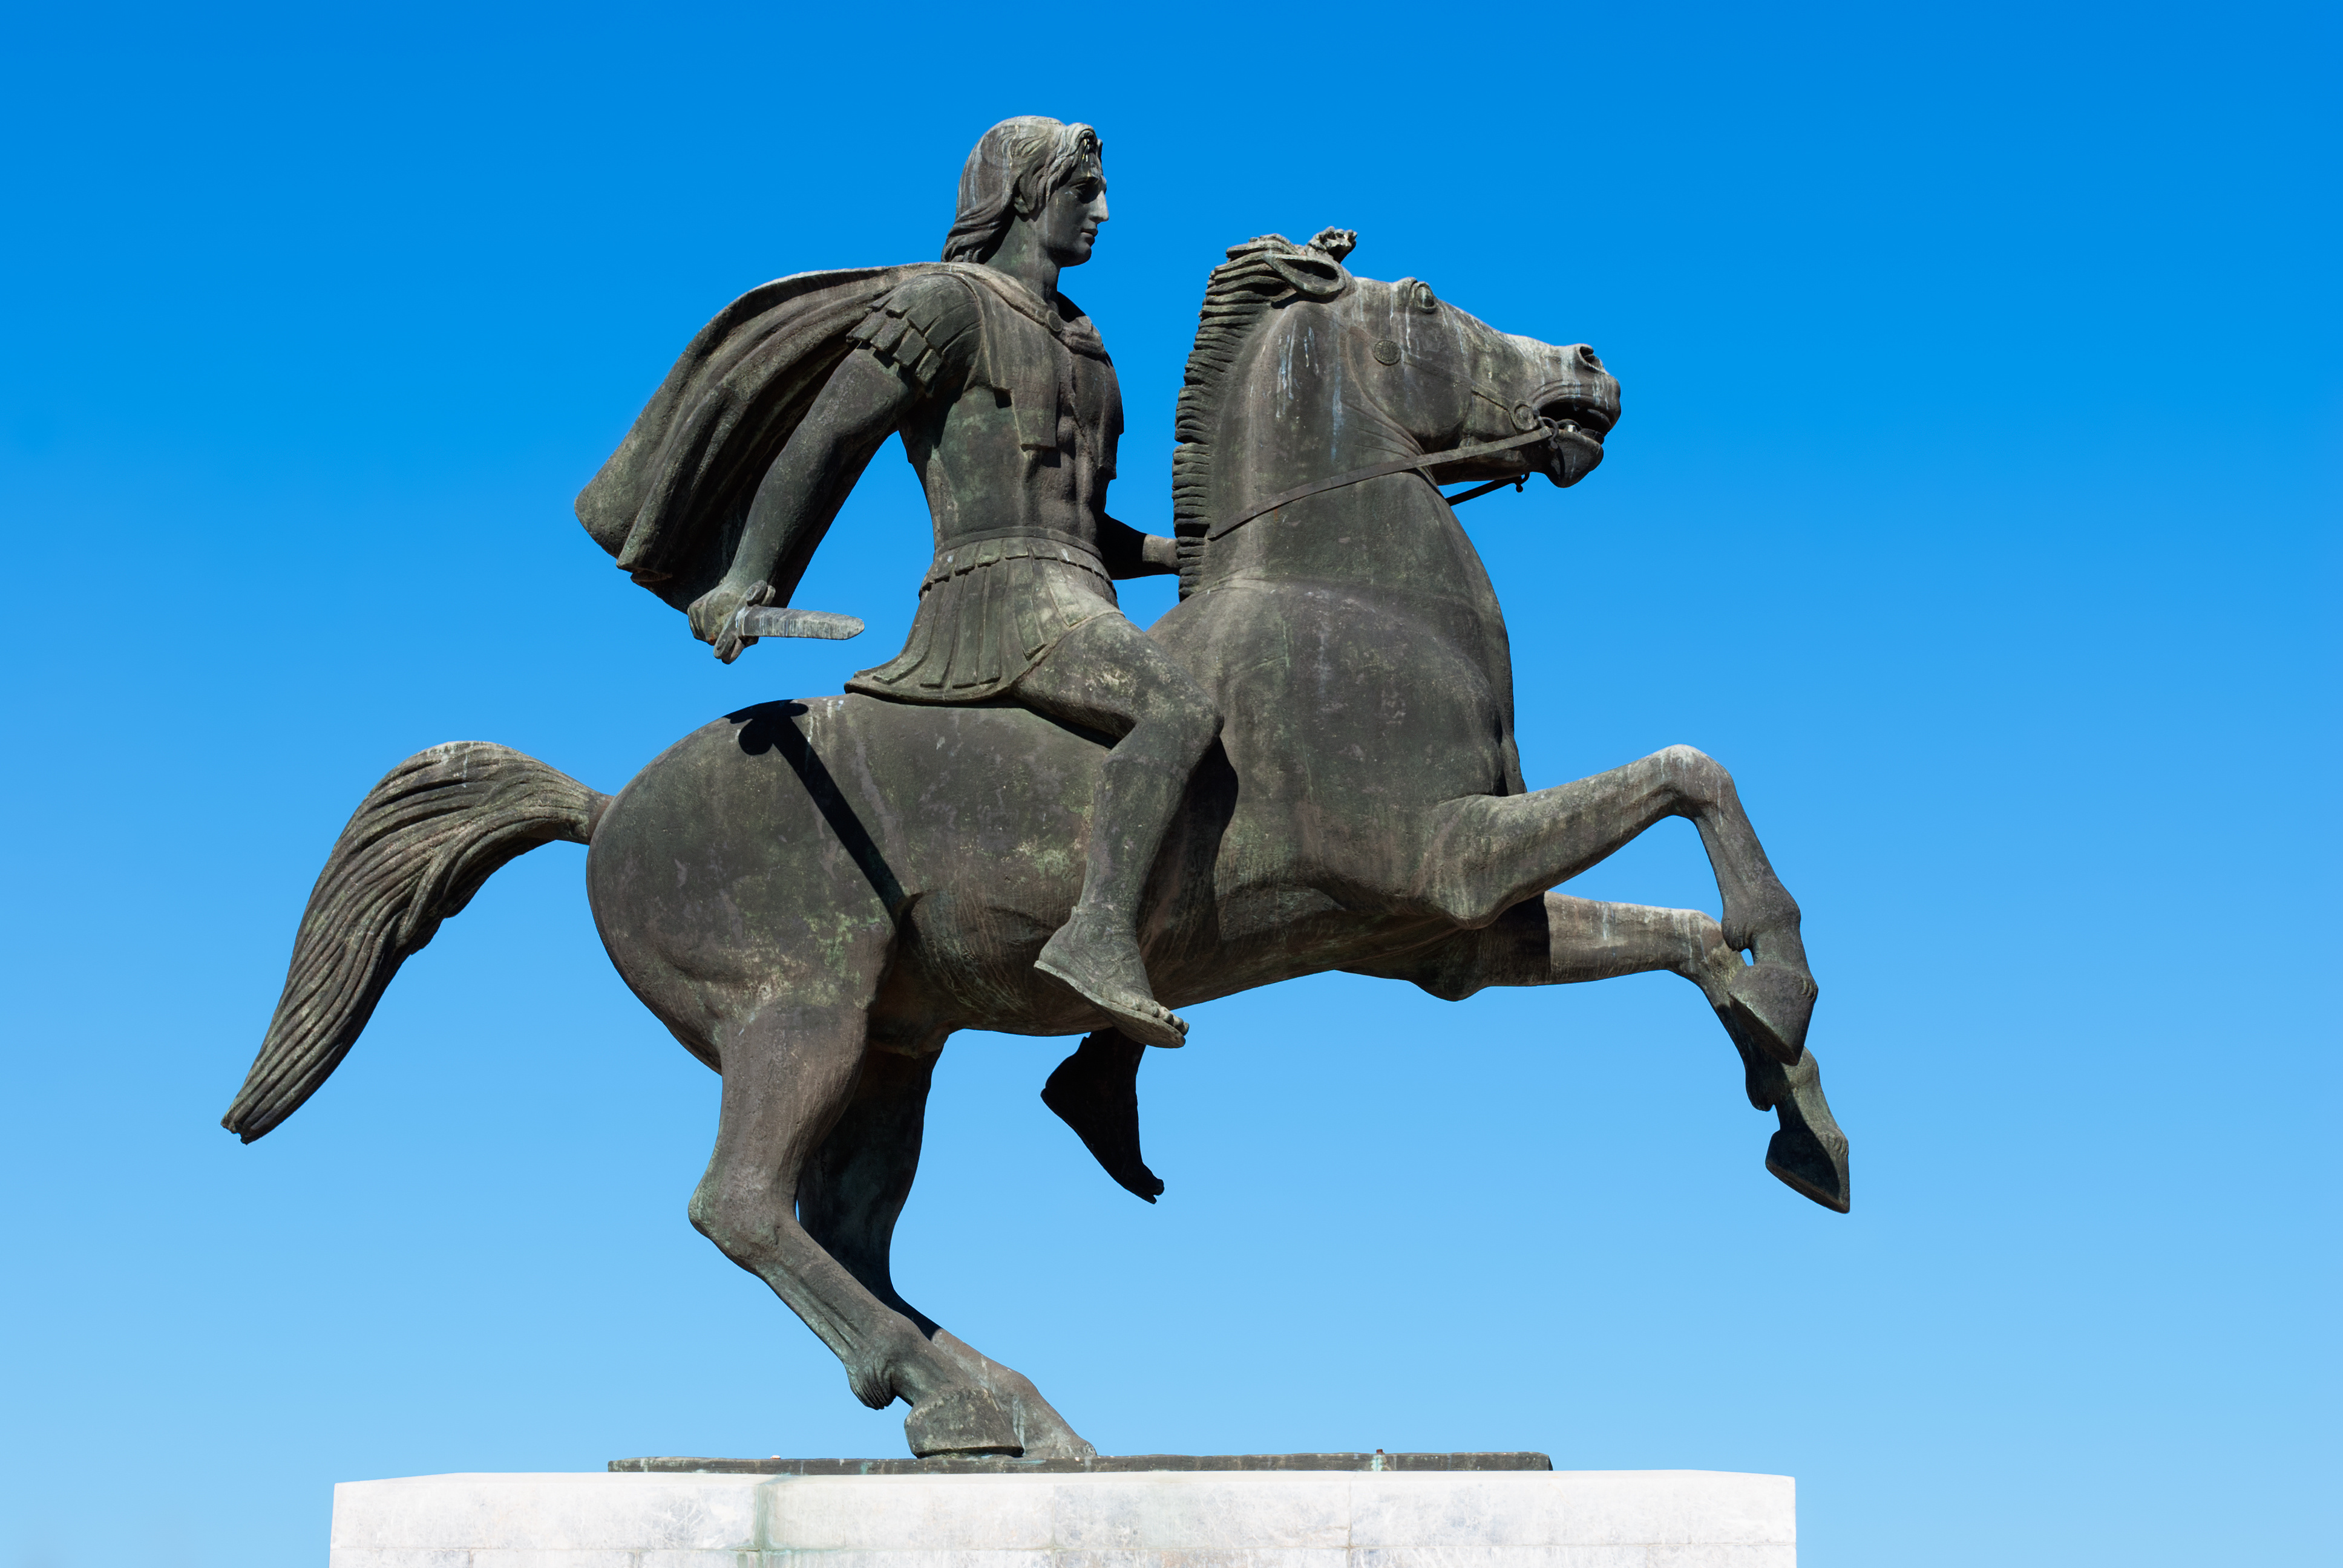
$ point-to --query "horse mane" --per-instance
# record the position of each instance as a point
(1259, 276)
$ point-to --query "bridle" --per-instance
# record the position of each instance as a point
(1535, 429)
(1547, 430)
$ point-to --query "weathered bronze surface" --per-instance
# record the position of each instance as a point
(1037, 819)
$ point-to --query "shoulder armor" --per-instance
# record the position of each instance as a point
(926, 329)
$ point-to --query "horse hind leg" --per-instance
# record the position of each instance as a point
(790, 1077)
(853, 1190)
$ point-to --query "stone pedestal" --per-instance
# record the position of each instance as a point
(1289, 1518)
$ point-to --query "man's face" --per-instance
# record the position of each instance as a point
(1068, 221)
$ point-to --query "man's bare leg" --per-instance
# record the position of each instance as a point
(1106, 676)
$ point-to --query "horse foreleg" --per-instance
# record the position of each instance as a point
(790, 1075)
(853, 1191)
(1485, 854)
(1561, 941)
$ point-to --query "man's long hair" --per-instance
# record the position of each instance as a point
(1018, 165)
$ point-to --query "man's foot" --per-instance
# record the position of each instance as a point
(1103, 965)
(1095, 1091)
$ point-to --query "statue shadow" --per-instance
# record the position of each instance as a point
(1190, 852)
(772, 727)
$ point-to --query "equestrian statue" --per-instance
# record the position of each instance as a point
(1036, 818)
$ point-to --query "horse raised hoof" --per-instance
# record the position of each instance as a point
(1106, 971)
(1766, 1009)
(965, 1422)
(1809, 1153)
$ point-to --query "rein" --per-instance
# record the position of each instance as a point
(1546, 431)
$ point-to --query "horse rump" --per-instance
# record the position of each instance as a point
(417, 849)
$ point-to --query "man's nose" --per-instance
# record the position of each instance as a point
(1098, 209)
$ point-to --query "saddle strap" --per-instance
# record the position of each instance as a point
(1423, 465)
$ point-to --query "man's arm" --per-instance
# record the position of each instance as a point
(1128, 553)
(855, 412)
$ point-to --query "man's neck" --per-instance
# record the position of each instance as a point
(1021, 256)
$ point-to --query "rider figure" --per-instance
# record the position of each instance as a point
(1010, 411)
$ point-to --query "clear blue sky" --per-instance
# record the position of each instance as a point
(1976, 502)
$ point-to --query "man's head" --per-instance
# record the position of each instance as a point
(1042, 170)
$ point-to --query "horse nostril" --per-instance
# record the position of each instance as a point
(1586, 357)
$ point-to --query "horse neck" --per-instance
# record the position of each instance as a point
(1294, 416)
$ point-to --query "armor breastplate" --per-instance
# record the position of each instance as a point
(980, 453)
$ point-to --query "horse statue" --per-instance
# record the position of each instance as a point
(812, 896)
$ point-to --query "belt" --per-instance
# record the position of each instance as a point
(959, 553)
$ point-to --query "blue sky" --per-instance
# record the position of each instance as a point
(1975, 503)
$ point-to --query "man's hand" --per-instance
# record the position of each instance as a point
(712, 614)
(1128, 553)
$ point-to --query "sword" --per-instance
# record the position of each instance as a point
(775, 620)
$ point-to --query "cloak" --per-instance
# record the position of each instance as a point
(672, 500)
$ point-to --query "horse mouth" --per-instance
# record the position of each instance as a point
(1583, 414)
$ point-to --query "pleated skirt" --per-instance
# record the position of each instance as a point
(988, 613)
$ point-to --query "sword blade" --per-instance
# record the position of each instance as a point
(774, 621)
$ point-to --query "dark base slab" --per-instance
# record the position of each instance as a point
(1101, 1464)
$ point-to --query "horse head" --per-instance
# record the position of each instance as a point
(1307, 378)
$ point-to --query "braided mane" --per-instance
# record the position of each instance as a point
(1259, 276)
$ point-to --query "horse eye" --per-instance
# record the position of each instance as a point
(1423, 300)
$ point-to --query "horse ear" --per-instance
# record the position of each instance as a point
(1337, 243)
(1314, 270)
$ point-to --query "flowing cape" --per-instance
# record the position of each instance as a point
(670, 502)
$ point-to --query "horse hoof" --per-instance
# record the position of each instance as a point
(1809, 1154)
(964, 1423)
(1809, 1168)
(1766, 1009)
(1042, 1431)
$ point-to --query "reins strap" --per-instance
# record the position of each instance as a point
(1424, 464)
(1477, 492)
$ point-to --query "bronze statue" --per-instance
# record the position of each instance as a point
(814, 895)
(1010, 412)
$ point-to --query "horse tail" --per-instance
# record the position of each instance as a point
(420, 846)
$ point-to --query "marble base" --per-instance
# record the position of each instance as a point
(1251, 1518)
